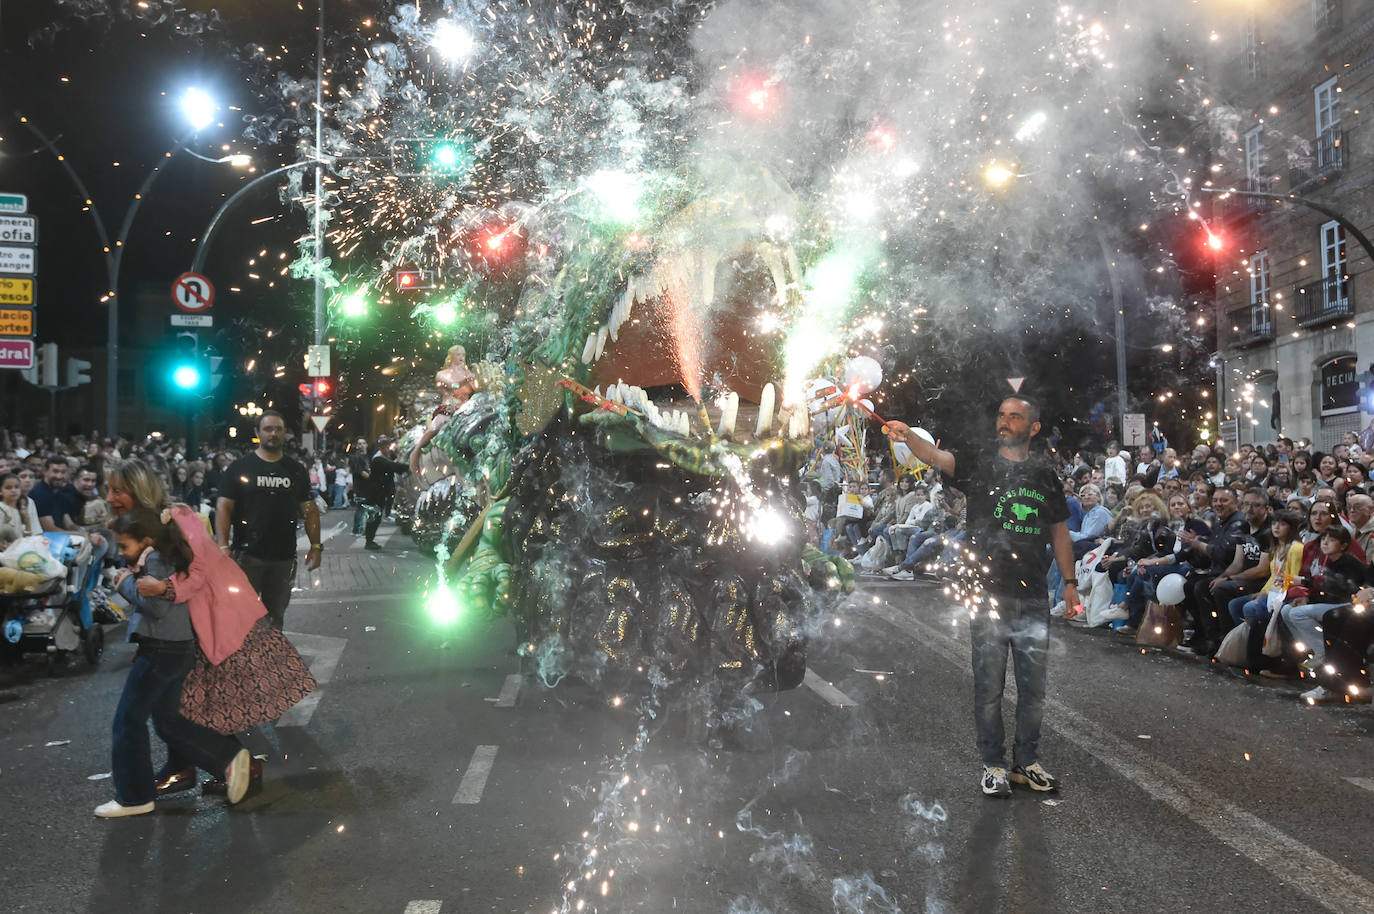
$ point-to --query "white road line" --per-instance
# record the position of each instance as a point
(424, 907)
(1285, 858)
(827, 691)
(322, 653)
(351, 598)
(475, 780)
(1366, 783)
(509, 692)
(302, 541)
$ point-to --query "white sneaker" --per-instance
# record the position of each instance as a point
(891, 570)
(902, 576)
(1318, 696)
(236, 776)
(116, 810)
(994, 782)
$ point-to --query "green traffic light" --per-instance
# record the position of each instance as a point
(354, 304)
(187, 377)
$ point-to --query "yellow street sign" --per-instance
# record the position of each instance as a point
(16, 322)
(16, 291)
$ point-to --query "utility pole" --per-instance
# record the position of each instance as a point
(319, 177)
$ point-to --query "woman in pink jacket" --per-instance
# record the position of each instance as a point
(248, 672)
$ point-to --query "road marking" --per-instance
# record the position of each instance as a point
(827, 691)
(424, 907)
(509, 691)
(302, 541)
(323, 653)
(1287, 860)
(470, 788)
(351, 597)
(1366, 783)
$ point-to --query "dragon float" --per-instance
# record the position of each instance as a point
(624, 480)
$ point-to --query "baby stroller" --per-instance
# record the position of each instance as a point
(56, 616)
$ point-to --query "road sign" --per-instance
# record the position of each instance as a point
(18, 260)
(16, 322)
(317, 361)
(18, 230)
(192, 320)
(16, 291)
(192, 292)
(16, 353)
(14, 203)
(319, 422)
(1133, 430)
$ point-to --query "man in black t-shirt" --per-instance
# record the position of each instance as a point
(261, 496)
(1016, 507)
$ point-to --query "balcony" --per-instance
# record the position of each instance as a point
(1330, 151)
(1323, 301)
(1250, 325)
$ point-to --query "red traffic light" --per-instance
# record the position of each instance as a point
(307, 390)
(411, 278)
(322, 387)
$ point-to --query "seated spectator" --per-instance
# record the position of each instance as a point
(1284, 563)
(1326, 584)
(1113, 497)
(1096, 519)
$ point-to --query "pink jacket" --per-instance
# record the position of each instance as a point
(223, 604)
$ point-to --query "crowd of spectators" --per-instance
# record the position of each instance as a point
(1273, 543)
(49, 484)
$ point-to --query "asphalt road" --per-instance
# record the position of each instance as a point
(428, 777)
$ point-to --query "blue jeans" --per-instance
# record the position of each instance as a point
(1254, 610)
(1022, 627)
(153, 690)
(914, 544)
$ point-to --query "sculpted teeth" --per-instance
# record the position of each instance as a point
(589, 350)
(601, 341)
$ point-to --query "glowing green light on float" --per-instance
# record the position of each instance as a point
(618, 194)
(354, 304)
(444, 313)
(442, 605)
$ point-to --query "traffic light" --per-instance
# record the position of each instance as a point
(431, 157)
(410, 279)
(186, 373)
(307, 397)
(214, 364)
(353, 305)
(47, 365)
(77, 372)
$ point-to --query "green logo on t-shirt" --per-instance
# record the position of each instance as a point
(1013, 501)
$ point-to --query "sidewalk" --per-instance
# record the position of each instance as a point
(346, 567)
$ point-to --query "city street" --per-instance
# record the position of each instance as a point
(426, 776)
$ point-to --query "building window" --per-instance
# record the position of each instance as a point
(1259, 292)
(1254, 48)
(1254, 148)
(1334, 286)
(1326, 14)
(1326, 102)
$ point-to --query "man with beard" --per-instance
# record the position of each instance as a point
(1016, 507)
(1210, 558)
(260, 498)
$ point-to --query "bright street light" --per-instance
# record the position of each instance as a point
(453, 41)
(198, 108)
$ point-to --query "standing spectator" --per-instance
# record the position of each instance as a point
(264, 493)
(359, 467)
(381, 488)
(1016, 507)
(343, 481)
(832, 478)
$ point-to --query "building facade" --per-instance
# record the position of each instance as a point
(1295, 298)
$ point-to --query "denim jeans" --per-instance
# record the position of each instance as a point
(1305, 622)
(153, 690)
(272, 579)
(338, 496)
(1021, 626)
(1254, 610)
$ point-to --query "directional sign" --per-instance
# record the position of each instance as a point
(16, 322)
(192, 320)
(18, 230)
(16, 353)
(16, 291)
(13, 203)
(317, 361)
(319, 422)
(192, 292)
(1132, 429)
(18, 260)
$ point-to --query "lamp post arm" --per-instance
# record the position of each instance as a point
(132, 211)
(51, 146)
(203, 248)
(1326, 211)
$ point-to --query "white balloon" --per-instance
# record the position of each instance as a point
(1169, 590)
(862, 375)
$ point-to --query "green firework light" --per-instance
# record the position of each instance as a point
(354, 304)
(619, 194)
(831, 286)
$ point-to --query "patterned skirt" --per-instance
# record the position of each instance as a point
(257, 683)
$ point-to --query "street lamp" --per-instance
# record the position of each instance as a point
(199, 109)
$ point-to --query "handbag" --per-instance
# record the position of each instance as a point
(1161, 626)
(1233, 646)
